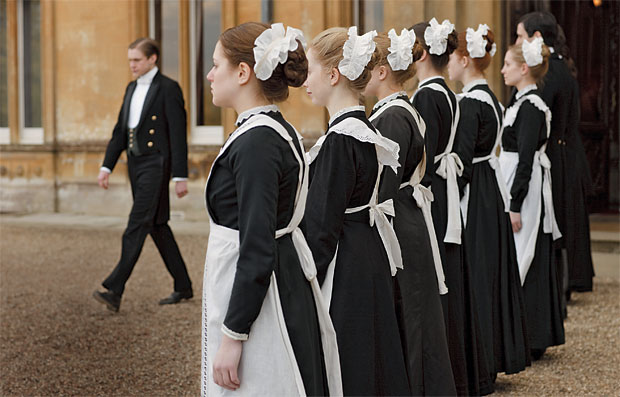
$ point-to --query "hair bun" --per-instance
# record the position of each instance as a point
(490, 38)
(296, 67)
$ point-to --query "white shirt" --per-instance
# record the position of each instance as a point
(143, 83)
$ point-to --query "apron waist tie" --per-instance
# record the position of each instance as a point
(550, 224)
(377, 214)
(494, 163)
(423, 197)
(450, 166)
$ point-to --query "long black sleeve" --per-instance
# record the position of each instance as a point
(395, 127)
(333, 180)
(118, 142)
(425, 104)
(177, 128)
(466, 137)
(530, 126)
(256, 168)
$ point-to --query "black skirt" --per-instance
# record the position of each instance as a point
(423, 331)
(495, 274)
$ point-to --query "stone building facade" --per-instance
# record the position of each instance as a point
(64, 69)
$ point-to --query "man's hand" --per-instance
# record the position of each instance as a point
(226, 363)
(515, 219)
(103, 179)
(180, 188)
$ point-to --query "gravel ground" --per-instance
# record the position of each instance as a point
(57, 340)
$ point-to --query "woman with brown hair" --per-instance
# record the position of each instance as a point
(526, 170)
(355, 248)
(495, 273)
(266, 330)
(439, 108)
(421, 281)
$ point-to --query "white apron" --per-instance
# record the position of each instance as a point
(268, 365)
(540, 180)
(387, 154)
(492, 158)
(421, 194)
(450, 166)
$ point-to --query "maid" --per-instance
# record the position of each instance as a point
(355, 248)
(421, 280)
(493, 259)
(439, 108)
(265, 327)
(526, 169)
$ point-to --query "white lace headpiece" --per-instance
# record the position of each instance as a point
(532, 51)
(477, 44)
(401, 47)
(272, 47)
(436, 36)
(356, 53)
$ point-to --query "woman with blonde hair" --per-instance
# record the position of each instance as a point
(484, 205)
(526, 170)
(421, 281)
(266, 330)
(355, 248)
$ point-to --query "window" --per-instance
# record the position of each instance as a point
(5, 136)
(205, 26)
(164, 28)
(29, 40)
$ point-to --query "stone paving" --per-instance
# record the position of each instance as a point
(56, 339)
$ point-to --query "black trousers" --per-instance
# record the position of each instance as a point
(149, 176)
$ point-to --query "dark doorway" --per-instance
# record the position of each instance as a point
(593, 36)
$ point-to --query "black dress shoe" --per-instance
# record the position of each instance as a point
(111, 299)
(176, 297)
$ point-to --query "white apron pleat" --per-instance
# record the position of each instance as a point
(268, 365)
(450, 166)
(421, 194)
(539, 189)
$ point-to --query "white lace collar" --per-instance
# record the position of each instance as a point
(467, 87)
(346, 110)
(429, 79)
(525, 90)
(251, 112)
(388, 98)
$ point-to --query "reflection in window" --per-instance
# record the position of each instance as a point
(166, 15)
(31, 36)
(4, 93)
(207, 13)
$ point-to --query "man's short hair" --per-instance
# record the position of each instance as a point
(147, 46)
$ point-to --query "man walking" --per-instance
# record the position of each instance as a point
(151, 127)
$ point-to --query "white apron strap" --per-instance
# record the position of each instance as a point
(485, 97)
(450, 166)
(328, 333)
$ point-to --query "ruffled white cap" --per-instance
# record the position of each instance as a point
(436, 36)
(401, 47)
(272, 47)
(476, 43)
(356, 53)
(532, 51)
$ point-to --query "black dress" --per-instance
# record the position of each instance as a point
(344, 175)
(252, 189)
(467, 357)
(570, 173)
(494, 266)
(542, 300)
(417, 295)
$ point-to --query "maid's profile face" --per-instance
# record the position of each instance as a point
(512, 70)
(317, 83)
(223, 78)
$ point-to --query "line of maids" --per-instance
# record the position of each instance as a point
(398, 256)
